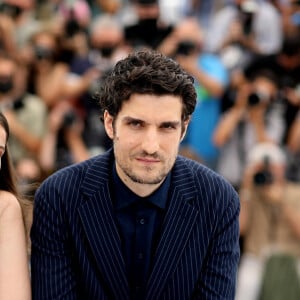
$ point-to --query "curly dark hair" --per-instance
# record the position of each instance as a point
(146, 72)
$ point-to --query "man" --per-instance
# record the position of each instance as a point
(26, 114)
(243, 29)
(270, 226)
(253, 118)
(138, 222)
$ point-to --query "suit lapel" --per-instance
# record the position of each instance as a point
(100, 228)
(96, 214)
(178, 225)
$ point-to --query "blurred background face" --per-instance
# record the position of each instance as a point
(189, 29)
(45, 40)
(188, 35)
(106, 37)
(7, 74)
(147, 11)
(44, 47)
(110, 6)
(265, 86)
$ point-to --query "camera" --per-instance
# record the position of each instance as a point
(185, 47)
(69, 118)
(255, 98)
(263, 176)
(248, 10)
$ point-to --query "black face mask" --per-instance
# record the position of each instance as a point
(43, 53)
(106, 51)
(6, 84)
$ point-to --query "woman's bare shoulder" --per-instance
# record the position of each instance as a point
(9, 204)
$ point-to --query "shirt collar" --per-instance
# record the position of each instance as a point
(124, 197)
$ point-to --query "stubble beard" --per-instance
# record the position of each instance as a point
(142, 179)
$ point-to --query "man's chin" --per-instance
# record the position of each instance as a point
(151, 180)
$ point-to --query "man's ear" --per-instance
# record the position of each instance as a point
(185, 126)
(108, 124)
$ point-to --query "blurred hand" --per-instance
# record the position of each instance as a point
(242, 96)
(273, 193)
(56, 115)
(293, 96)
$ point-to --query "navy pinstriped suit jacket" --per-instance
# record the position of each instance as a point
(76, 248)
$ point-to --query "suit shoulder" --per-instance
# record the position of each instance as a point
(72, 176)
(197, 169)
(205, 179)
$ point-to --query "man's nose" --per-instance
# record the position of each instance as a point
(150, 142)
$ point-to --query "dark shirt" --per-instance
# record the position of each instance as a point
(139, 220)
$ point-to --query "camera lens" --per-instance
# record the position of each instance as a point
(263, 178)
(253, 99)
(185, 47)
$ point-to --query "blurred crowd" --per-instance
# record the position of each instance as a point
(245, 58)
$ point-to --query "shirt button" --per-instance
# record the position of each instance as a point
(140, 256)
(142, 221)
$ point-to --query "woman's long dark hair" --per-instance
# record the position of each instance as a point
(8, 180)
(7, 174)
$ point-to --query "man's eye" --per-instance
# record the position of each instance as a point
(135, 124)
(168, 126)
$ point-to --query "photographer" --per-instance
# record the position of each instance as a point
(63, 143)
(186, 46)
(270, 226)
(26, 114)
(148, 30)
(254, 118)
(286, 64)
(245, 28)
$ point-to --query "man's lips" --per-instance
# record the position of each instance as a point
(147, 160)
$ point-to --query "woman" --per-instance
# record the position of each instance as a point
(14, 271)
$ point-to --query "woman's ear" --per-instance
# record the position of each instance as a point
(108, 124)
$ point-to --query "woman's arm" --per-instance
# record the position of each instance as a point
(14, 263)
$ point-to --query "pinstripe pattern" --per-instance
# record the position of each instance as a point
(76, 249)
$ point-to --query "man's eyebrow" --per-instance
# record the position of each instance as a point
(171, 123)
(129, 119)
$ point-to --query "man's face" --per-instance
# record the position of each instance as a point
(146, 134)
